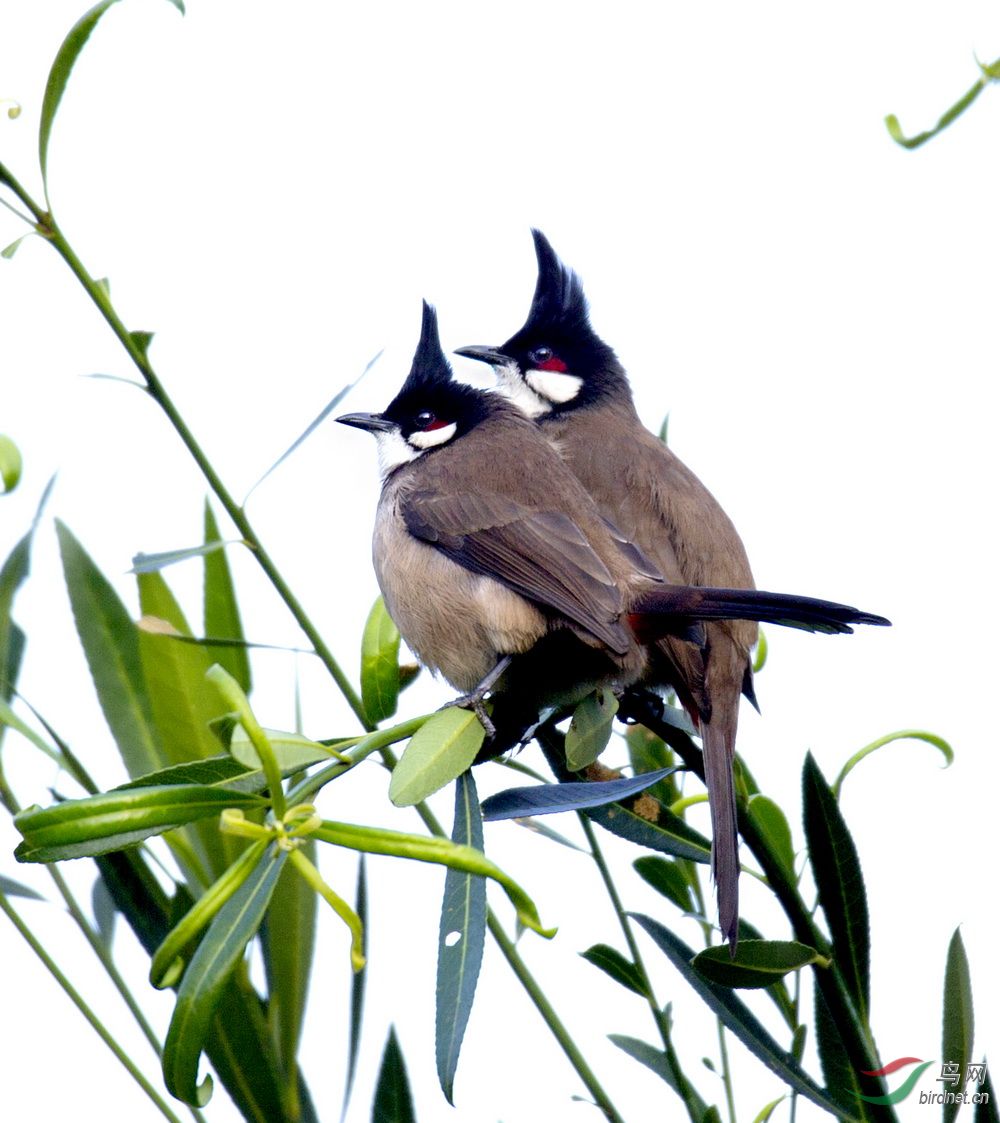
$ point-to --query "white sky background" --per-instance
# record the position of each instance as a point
(273, 188)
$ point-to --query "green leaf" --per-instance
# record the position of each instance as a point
(902, 735)
(619, 967)
(442, 749)
(169, 961)
(9, 250)
(767, 1110)
(958, 1023)
(379, 664)
(288, 945)
(839, 882)
(461, 936)
(590, 729)
(393, 1102)
(946, 118)
(741, 1022)
(988, 1108)
(80, 828)
(153, 563)
(10, 720)
(666, 877)
(640, 819)
(657, 1061)
(647, 753)
(11, 888)
(208, 972)
(358, 981)
(183, 702)
(842, 1079)
(773, 826)
(221, 771)
(550, 799)
(111, 645)
(59, 74)
(221, 612)
(315, 423)
(293, 751)
(10, 463)
(420, 848)
(756, 963)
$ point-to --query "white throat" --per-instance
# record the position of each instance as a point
(512, 385)
(394, 450)
(555, 385)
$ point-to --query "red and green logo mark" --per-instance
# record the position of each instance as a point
(906, 1087)
(951, 1074)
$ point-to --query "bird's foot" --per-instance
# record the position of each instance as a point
(474, 701)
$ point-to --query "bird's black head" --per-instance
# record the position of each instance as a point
(556, 361)
(430, 410)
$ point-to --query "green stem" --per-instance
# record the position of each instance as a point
(662, 1026)
(544, 1007)
(47, 226)
(77, 999)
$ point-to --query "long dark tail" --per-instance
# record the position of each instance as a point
(717, 747)
(787, 609)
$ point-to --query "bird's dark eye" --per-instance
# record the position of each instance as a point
(427, 419)
(540, 355)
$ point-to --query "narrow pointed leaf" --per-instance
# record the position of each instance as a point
(293, 751)
(442, 749)
(767, 1110)
(657, 1061)
(380, 664)
(10, 463)
(740, 1021)
(207, 975)
(461, 936)
(105, 914)
(153, 563)
(666, 877)
(221, 612)
(548, 799)
(773, 825)
(901, 735)
(80, 828)
(12, 247)
(11, 888)
(10, 720)
(619, 967)
(111, 644)
(375, 840)
(315, 423)
(220, 771)
(958, 1023)
(65, 59)
(590, 729)
(358, 982)
(183, 701)
(756, 964)
(840, 884)
(393, 1102)
(640, 819)
(289, 943)
(988, 1108)
(169, 961)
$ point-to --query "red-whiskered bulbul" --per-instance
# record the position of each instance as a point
(561, 373)
(500, 571)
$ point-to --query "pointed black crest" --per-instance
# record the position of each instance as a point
(430, 367)
(558, 298)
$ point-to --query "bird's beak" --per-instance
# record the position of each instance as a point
(373, 422)
(484, 355)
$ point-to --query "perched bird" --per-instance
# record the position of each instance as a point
(557, 370)
(500, 571)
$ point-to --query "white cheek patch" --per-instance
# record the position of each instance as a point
(511, 384)
(393, 451)
(431, 438)
(555, 385)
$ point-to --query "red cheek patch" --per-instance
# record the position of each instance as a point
(555, 364)
(436, 424)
